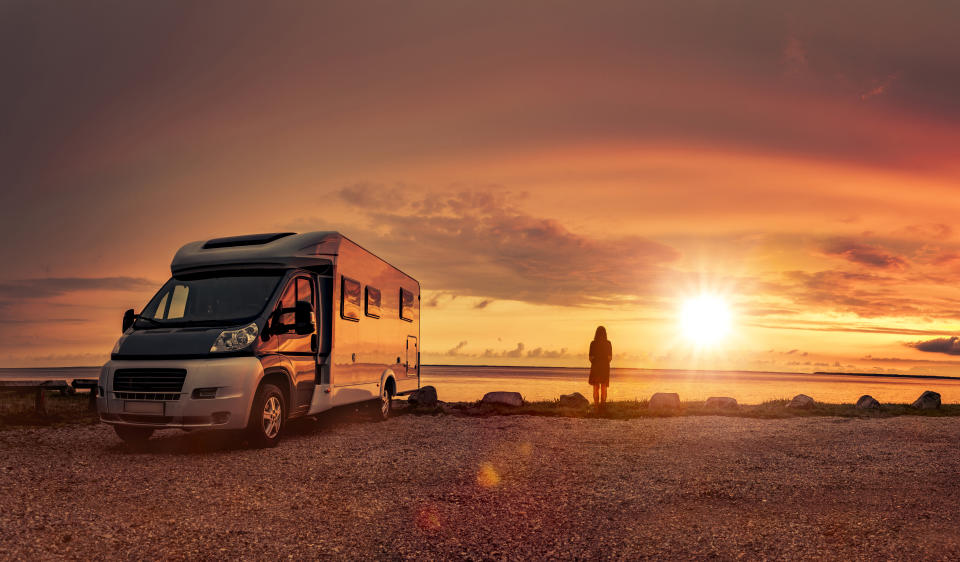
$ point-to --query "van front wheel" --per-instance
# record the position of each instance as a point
(267, 417)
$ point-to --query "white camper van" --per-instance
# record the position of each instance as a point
(254, 330)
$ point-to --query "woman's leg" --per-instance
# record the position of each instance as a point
(596, 396)
(603, 395)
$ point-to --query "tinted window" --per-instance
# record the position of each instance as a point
(219, 300)
(406, 305)
(350, 299)
(304, 290)
(286, 305)
(373, 302)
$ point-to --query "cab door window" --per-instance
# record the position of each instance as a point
(298, 294)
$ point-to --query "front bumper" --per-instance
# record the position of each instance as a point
(235, 379)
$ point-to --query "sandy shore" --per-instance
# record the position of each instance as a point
(497, 487)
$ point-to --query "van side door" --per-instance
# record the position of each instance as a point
(297, 344)
(413, 357)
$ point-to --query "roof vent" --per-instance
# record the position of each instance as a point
(248, 240)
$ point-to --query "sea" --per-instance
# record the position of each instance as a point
(458, 383)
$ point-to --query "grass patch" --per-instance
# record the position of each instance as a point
(17, 410)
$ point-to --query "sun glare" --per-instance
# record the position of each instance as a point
(705, 319)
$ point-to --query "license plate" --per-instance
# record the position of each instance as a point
(143, 407)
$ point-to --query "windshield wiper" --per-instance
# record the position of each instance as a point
(155, 322)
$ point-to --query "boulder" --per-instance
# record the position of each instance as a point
(503, 398)
(801, 401)
(929, 400)
(867, 402)
(722, 402)
(424, 396)
(665, 401)
(575, 400)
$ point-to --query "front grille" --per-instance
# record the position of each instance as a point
(146, 395)
(164, 381)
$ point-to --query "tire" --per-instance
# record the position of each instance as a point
(385, 403)
(268, 416)
(135, 436)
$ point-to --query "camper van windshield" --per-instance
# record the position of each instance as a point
(221, 300)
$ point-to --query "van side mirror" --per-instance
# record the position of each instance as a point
(128, 317)
(305, 320)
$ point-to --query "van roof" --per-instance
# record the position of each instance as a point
(275, 249)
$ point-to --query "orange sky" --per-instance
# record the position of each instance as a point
(541, 169)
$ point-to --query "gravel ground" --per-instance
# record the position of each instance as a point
(502, 487)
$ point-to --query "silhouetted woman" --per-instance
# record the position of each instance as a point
(601, 352)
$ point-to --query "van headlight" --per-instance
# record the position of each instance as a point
(233, 340)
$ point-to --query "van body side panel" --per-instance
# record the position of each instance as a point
(367, 347)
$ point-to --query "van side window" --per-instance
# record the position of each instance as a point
(406, 305)
(373, 302)
(349, 299)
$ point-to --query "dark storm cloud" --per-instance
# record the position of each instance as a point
(950, 346)
(478, 243)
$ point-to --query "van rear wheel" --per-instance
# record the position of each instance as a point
(386, 402)
(267, 417)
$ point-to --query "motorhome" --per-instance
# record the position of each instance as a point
(251, 331)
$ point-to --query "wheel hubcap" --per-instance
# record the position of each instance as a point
(272, 417)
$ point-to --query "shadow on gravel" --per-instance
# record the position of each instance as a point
(177, 442)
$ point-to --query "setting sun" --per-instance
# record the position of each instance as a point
(705, 319)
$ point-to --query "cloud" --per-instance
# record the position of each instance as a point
(879, 88)
(547, 353)
(48, 287)
(478, 243)
(512, 353)
(373, 196)
(950, 346)
(483, 304)
(864, 254)
(457, 350)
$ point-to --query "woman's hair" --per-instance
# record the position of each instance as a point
(601, 333)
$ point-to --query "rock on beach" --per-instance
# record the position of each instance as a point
(575, 400)
(665, 401)
(929, 400)
(424, 396)
(503, 398)
(867, 402)
(801, 401)
(721, 402)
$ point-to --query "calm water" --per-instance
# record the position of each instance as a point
(455, 383)
(458, 383)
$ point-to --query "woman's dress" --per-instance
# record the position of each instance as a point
(601, 352)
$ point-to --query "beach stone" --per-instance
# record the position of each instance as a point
(801, 401)
(929, 400)
(503, 398)
(423, 396)
(665, 400)
(721, 402)
(867, 402)
(575, 400)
